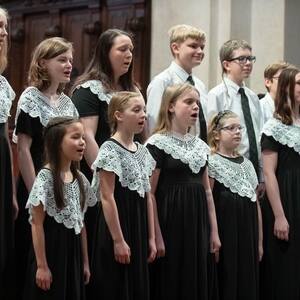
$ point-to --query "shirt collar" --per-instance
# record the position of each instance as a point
(180, 72)
(232, 85)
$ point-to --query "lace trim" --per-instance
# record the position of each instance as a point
(96, 87)
(133, 169)
(188, 149)
(288, 135)
(36, 104)
(240, 178)
(7, 95)
(71, 215)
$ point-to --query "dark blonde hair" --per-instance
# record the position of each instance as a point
(272, 69)
(119, 102)
(180, 33)
(53, 135)
(214, 127)
(285, 96)
(3, 51)
(47, 49)
(170, 96)
(227, 49)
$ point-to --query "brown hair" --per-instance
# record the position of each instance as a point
(227, 49)
(3, 51)
(215, 125)
(54, 134)
(285, 99)
(119, 102)
(47, 49)
(170, 96)
(272, 69)
(99, 68)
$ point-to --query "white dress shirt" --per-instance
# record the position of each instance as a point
(174, 74)
(226, 96)
(268, 107)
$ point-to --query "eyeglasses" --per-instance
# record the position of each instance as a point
(233, 128)
(243, 59)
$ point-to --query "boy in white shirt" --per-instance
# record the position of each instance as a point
(187, 44)
(271, 75)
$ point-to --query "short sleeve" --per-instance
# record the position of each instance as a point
(87, 103)
(90, 196)
(269, 143)
(26, 124)
(157, 154)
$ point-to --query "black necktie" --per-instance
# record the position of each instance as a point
(202, 122)
(253, 153)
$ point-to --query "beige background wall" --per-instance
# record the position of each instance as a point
(264, 24)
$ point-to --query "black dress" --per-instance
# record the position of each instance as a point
(237, 217)
(33, 114)
(183, 218)
(6, 210)
(112, 280)
(91, 99)
(63, 247)
(281, 261)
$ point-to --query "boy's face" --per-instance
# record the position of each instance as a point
(237, 71)
(272, 83)
(189, 53)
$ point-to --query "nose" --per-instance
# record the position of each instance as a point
(3, 31)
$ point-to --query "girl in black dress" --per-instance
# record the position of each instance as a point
(8, 202)
(280, 144)
(49, 71)
(185, 221)
(110, 70)
(58, 266)
(126, 224)
(233, 181)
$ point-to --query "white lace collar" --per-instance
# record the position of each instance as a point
(132, 168)
(189, 149)
(240, 178)
(96, 87)
(288, 135)
(7, 95)
(71, 215)
(36, 104)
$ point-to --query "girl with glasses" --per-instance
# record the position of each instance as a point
(233, 182)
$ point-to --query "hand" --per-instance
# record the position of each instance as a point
(260, 251)
(43, 278)
(215, 244)
(86, 273)
(152, 251)
(281, 228)
(260, 191)
(15, 207)
(122, 252)
(160, 246)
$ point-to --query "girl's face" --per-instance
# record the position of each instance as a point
(185, 110)
(73, 143)
(3, 29)
(59, 67)
(297, 89)
(133, 117)
(120, 55)
(230, 134)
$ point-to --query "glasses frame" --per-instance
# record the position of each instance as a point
(233, 130)
(243, 59)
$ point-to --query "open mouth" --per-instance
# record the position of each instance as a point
(141, 123)
(194, 115)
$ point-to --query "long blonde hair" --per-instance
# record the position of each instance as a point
(214, 127)
(170, 96)
(47, 49)
(3, 51)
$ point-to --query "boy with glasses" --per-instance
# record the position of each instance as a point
(232, 94)
(271, 75)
